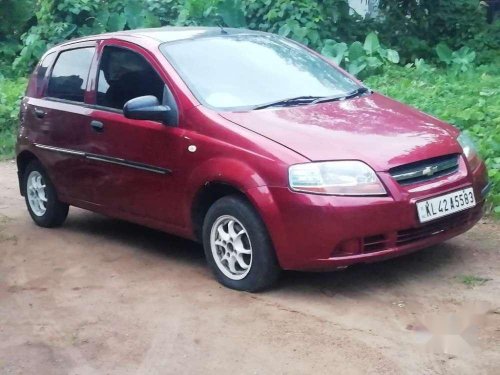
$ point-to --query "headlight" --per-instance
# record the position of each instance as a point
(335, 178)
(469, 149)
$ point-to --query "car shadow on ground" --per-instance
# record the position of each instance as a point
(151, 242)
(385, 275)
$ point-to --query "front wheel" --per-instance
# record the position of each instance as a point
(41, 198)
(237, 246)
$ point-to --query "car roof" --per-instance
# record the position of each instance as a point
(165, 34)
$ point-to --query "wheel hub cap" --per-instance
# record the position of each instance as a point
(35, 189)
(231, 247)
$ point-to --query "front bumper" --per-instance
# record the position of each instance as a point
(315, 232)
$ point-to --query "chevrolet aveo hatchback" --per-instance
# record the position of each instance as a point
(271, 156)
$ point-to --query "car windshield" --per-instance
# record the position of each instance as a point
(244, 70)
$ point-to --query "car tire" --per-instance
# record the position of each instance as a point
(41, 198)
(234, 236)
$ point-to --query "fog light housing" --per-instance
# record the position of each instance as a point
(349, 247)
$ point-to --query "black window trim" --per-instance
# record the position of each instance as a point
(49, 68)
(46, 75)
(81, 104)
(61, 51)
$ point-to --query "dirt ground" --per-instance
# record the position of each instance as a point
(101, 296)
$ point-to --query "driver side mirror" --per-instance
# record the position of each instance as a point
(146, 108)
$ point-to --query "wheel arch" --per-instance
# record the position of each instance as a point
(23, 160)
(206, 196)
(212, 180)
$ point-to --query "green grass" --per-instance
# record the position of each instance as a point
(472, 281)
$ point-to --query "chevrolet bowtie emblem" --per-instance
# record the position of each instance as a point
(429, 171)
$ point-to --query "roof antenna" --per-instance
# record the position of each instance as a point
(222, 31)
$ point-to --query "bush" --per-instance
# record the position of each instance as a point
(306, 21)
(11, 92)
(360, 59)
(412, 27)
(469, 100)
(415, 27)
(58, 20)
(211, 13)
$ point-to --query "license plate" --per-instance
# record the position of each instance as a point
(434, 208)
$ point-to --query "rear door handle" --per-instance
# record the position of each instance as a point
(97, 125)
(40, 113)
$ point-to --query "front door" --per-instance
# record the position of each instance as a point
(135, 163)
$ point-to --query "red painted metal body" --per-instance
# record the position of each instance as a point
(250, 151)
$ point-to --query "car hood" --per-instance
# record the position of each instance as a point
(375, 129)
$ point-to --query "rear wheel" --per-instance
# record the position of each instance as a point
(41, 198)
(237, 246)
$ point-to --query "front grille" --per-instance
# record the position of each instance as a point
(425, 170)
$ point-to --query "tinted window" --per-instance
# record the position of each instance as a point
(42, 70)
(248, 70)
(70, 73)
(124, 75)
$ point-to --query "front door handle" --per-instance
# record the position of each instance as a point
(40, 113)
(97, 125)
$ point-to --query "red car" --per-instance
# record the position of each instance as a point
(258, 147)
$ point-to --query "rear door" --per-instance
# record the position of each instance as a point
(59, 118)
(135, 163)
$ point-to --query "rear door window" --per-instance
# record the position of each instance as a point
(70, 73)
(124, 75)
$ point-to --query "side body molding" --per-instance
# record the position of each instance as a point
(106, 159)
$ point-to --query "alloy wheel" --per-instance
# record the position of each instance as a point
(231, 247)
(37, 197)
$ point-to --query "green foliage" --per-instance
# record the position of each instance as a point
(58, 20)
(415, 27)
(459, 61)
(11, 91)
(412, 27)
(212, 13)
(297, 19)
(469, 100)
(167, 11)
(14, 14)
(306, 21)
(357, 58)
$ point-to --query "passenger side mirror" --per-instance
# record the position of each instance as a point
(146, 108)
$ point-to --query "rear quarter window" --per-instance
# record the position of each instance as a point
(70, 74)
(41, 72)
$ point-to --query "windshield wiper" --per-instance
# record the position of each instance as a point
(308, 99)
(290, 101)
(358, 92)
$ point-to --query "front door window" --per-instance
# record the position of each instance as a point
(124, 75)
